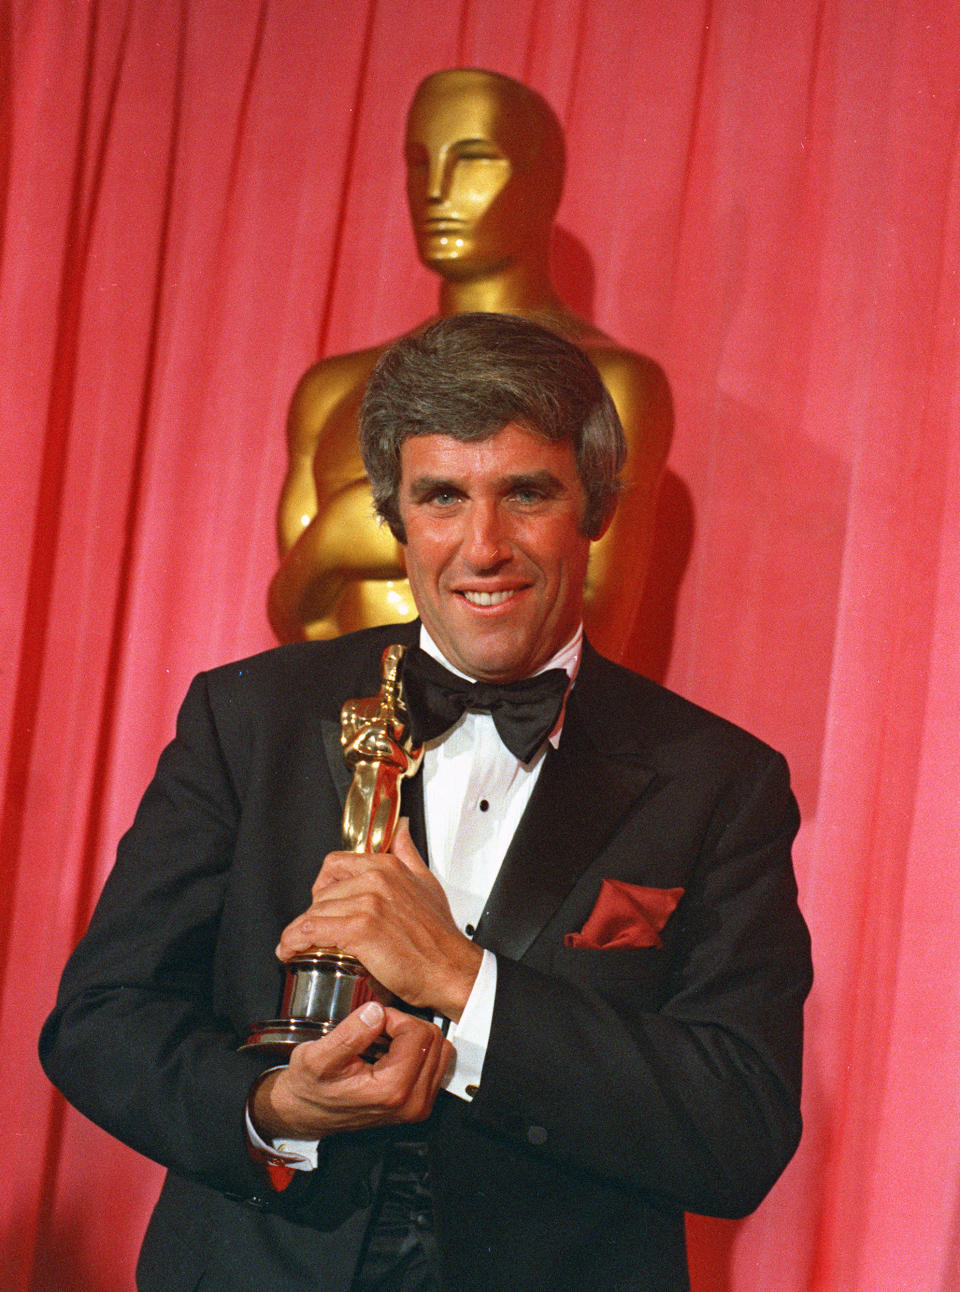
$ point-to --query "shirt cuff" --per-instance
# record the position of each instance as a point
(471, 1036)
(298, 1154)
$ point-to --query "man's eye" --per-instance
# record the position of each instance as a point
(443, 497)
(527, 497)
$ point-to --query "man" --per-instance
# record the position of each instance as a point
(607, 929)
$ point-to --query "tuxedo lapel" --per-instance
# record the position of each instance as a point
(412, 807)
(584, 791)
(333, 749)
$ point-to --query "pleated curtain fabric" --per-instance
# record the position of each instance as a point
(199, 200)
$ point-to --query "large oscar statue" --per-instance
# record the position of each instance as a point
(485, 164)
(324, 985)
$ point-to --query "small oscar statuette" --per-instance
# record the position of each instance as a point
(324, 985)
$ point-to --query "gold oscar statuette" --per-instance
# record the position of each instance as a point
(324, 985)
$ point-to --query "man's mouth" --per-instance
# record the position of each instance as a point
(488, 598)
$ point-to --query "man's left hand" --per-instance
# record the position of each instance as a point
(389, 911)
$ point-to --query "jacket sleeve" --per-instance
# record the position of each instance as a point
(694, 1096)
(135, 1041)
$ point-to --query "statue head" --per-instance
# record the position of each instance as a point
(468, 376)
(485, 163)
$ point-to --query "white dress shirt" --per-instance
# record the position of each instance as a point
(474, 793)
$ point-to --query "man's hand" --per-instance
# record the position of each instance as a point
(390, 912)
(329, 1087)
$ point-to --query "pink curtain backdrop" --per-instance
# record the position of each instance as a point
(199, 197)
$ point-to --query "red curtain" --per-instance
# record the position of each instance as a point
(201, 196)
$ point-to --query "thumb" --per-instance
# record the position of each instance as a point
(355, 1034)
(404, 847)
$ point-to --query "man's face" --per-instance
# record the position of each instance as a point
(494, 553)
(474, 200)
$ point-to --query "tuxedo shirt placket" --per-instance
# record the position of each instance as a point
(466, 843)
(475, 792)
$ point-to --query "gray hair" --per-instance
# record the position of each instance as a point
(468, 376)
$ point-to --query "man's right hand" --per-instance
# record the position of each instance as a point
(330, 1087)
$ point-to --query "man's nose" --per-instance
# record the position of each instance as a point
(486, 543)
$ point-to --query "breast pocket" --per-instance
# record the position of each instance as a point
(620, 975)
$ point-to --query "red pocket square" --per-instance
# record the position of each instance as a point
(626, 915)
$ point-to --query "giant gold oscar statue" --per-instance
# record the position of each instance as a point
(485, 163)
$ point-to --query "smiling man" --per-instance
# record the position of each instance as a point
(496, 553)
(592, 909)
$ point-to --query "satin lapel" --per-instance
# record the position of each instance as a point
(334, 751)
(582, 795)
(412, 807)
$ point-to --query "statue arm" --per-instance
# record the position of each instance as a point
(309, 409)
(620, 559)
(326, 398)
(325, 529)
(341, 544)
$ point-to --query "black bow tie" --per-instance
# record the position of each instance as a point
(524, 712)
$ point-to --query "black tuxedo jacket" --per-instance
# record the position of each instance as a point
(621, 1087)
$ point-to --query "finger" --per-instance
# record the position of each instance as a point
(413, 1040)
(312, 931)
(404, 848)
(435, 1052)
(300, 935)
(435, 1062)
(345, 896)
(445, 1058)
(355, 911)
(338, 866)
(416, 1060)
(348, 1041)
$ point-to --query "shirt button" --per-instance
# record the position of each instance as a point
(471, 1090)
(422, 1220)
(484, 805)
(469, 930)
(536, 1135)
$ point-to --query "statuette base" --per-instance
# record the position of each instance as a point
(321, 989)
